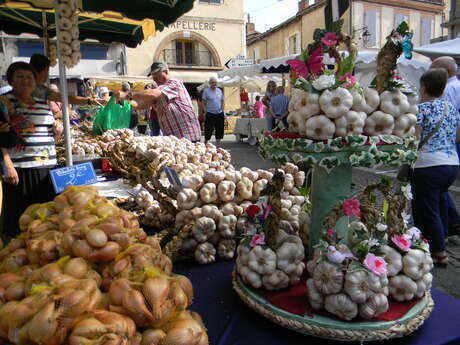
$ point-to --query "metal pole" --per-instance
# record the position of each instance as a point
(64, 98)
(46, 41)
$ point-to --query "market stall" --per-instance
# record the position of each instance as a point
(249, 128)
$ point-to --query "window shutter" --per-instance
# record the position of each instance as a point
(286, 46)
(298, 43)
(370, 20)
(426, 31)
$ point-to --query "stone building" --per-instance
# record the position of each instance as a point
(197, 45)
(369, 21)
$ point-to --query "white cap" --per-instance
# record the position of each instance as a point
(103, 90)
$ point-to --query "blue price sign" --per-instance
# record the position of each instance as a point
(77, 175)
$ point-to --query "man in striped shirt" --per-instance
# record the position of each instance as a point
(172, 103)
(279, 107)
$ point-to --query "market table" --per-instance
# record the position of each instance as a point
(250, 127)
(230, 123)
(230, 322)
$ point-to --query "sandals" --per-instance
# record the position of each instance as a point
(440, 260)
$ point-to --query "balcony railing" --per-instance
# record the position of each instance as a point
(190, 58)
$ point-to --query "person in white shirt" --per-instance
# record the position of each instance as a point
(213, 100)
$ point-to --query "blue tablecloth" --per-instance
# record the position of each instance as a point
(230, 322)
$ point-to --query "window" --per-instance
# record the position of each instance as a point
(184, 52)
(426, 31)
(399, 18)
(294, 44)
(187, 52)
(212, 1)
(372, 22)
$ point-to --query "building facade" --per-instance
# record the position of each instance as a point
(453, 25)
(197, 45)
(369, 21)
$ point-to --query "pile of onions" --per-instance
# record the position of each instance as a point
(50, 279)
(152, 299)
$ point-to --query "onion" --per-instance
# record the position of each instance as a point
(66, 213)
(110, 228)
(24, 221)
(182, 334)
(156, 291)
(80, 198)
(120, 266)
(85, 222)
(81, 213)
(15, 291)
(105, 284)
(133, 301)
(105, 210)
(81, 248)
(186, 286)
(93, 275)
(66, 224)
(88, 328)
(97, 238)
(77, 268)
(106, 253)
(165, 264)
(61, 202)
(117, 289)
(43, 325)
(74, 303)
(17, 243)
(152, 336)
(6, 279)
(122, 239)
(2, 296)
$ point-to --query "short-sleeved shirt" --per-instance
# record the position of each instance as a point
(259, 107)
(279, 104)
(441, 147)
(175, 111)
(213, 100)
(34, 124)
(452, 92)
(42, 92)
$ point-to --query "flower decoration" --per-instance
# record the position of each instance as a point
(351, 207)
(349, 79)
(329, 39)
(257, 240)
(323, 82)
(253, 210)
(315, 62)
(329, 232)
(336, 256)
(413, 233)
(402, 242)
(299, 67)
(375, 264)
(405, 217)
(407, 191)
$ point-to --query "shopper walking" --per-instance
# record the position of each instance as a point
(172, 103)
(213, 101)
(436, 167)
(279, 105)
(452, 94)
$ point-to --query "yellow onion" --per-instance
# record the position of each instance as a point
(44, 324)
(152, 336)
(117, 290)
(115, 322)
(88, 328)
(81, 248)
(97, 238)
(17, 243)
(66, 224)
(105, 210)
(15, 291)
(77, 268)
(156, 292)
(6, 279)
(2, 296)
(66, 213)
(74, 303)
(6, 311)
(106, 253)
(183, 332)
(111, 226)
(61, 202)
(165, 264)
(15, 260)
(66, 244)
(81, 213)
(93, 275)
(186, 286)
(122, 239)
(133, 301)
(85, 222)
(81, 198)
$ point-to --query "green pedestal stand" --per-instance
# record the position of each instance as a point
(332, 164)
(327, 190)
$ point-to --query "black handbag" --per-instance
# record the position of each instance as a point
(405, 170)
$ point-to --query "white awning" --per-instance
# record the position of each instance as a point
(251, 84)
(250, 71)
(444, 48)
(192, 76)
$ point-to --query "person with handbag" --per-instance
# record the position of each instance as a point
(437, 164)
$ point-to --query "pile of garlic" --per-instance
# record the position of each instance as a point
(69, 44)
(216, 199)
(343, 112)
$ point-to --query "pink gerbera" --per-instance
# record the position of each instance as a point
(329, 39)
(350, 207)
(299, 67)
(349, 78)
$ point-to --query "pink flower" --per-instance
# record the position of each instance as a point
(336, 256)
(397, 77)
(299, 67)
(375, 264)
(315, 62)
(349, 78)
(402, 242)
(257, 239)
(350, 207)
(329, 232)
(329, 39)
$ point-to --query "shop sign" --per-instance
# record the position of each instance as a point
(196, 26)
(239, 62)
(77, 175)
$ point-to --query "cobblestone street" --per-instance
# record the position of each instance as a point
(445, 279)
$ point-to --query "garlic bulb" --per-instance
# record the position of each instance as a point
(341, 305)
(328, 279)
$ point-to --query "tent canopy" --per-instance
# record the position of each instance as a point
(17, 18)
(444, 48)
(114, 83)
(164, 12)
(365, 69)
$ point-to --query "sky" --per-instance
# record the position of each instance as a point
(269, 13)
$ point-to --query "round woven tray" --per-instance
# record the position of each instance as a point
(329, 328)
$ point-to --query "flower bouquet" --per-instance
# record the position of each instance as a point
(327, 100)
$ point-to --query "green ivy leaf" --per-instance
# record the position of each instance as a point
(386, 209)
(318, 34)
(337, 26)
(403, 28)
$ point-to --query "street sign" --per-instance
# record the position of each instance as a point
(239, 62)
(76, 175)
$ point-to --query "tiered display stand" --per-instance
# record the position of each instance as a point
(332, 162)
